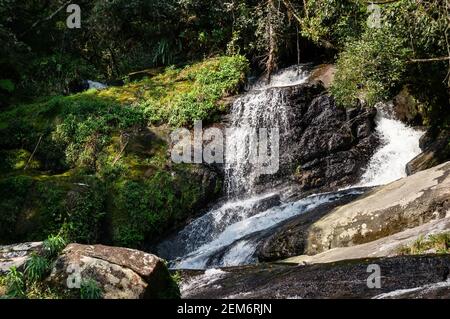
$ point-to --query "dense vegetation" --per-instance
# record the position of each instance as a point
(94, 166)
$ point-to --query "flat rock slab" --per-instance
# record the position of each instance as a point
(17, 255)
(346, 279)
(384, 247)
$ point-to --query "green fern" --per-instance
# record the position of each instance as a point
(53, 245)
(36, 268)
(15, 283)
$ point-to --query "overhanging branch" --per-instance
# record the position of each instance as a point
(444, 58)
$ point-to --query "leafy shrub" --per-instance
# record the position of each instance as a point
(90, 289)
(15, 160)
(85, 213)
(332, 23)
(15, 283)
(53, 245)
(146, 209)
(370, 69)
(36, 268)
(440, 242)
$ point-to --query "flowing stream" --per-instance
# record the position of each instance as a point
(228, 234)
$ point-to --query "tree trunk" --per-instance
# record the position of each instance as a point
(272, 43)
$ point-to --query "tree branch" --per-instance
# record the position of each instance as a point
(445, 58)
(32, 154)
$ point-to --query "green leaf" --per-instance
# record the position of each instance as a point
(7, 85)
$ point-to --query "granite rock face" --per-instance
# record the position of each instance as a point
(409, 207)
(386, 210)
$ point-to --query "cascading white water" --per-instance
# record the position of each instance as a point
(264, 107)
(96, 85)
(400, 144)
(233, 235)
(228, 234)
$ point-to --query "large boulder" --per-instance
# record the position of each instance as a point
(17, 255)
(332, 144)
(436, 150)
(386, 210)
(321, 146)
(406, 108)
(121, 273)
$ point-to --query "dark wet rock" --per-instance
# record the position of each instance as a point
(77, 86)
(436, 150)
(121, 273)
(325, 146)
(346, 279)
(333, 145)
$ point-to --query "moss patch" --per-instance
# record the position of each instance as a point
(433, 244)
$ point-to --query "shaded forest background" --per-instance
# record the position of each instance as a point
(40, 56)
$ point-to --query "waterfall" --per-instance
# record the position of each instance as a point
(399, 145)
(263, 107)
(96, 85)
(228, 234)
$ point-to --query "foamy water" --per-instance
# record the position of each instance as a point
(239, 250)
(399, 145)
